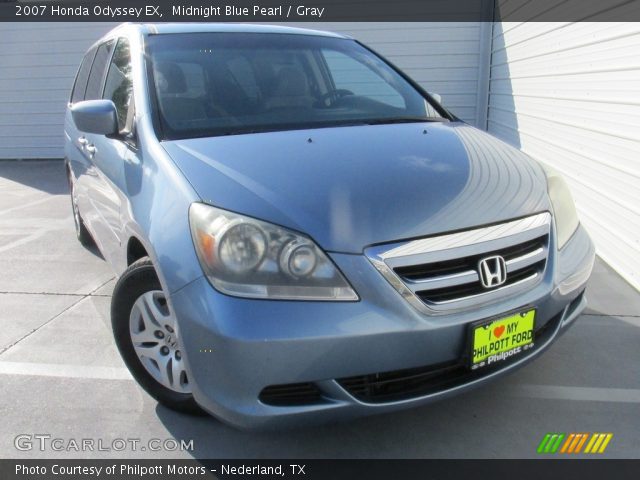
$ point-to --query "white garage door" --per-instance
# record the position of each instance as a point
(569, 95)
(39, 60)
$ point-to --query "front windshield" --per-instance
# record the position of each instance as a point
(210, 84)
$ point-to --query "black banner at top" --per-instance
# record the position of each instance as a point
(319, 10)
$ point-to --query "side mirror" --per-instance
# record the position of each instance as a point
(436, 97)
(96, 116)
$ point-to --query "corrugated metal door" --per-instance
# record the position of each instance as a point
(569, 95)
(39, 60)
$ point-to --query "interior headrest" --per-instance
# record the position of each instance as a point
(291, 82)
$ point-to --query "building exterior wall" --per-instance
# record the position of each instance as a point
(38, 62)
(569, 95)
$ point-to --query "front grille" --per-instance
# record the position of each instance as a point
(440, 274)
(405, 384)
(291, 394)
(518, 270)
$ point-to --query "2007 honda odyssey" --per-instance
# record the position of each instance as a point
(301, 233)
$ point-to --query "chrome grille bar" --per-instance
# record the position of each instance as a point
(439, 274)
(443, 281)
(526, 260)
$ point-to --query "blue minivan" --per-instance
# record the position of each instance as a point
(301, 233)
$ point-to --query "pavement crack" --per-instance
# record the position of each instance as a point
(82, 297)
(52, 294)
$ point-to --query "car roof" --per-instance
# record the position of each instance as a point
(233, 27)
(169, 28)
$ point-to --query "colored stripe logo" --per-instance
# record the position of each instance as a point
(574, 443)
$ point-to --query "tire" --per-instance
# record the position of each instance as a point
(137, 301)
(83, 235)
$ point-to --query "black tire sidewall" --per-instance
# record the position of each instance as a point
(138, 279)
(82, 233)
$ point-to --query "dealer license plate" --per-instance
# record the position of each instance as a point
(498, 340)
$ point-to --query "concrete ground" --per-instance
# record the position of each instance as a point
(61, 374)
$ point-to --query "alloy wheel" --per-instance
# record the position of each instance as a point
(154, 336)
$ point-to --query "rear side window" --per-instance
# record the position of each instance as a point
(94, 85)
(119, 85)
(79, 87)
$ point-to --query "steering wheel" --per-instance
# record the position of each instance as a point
(333, 96)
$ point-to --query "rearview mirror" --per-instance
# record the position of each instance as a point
(96, 116)
(436, 97)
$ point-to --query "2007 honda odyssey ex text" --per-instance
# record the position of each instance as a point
(301, 233)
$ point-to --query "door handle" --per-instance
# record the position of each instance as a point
(91, 149)
(83, 141)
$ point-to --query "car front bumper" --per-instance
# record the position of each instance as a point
(236, 347)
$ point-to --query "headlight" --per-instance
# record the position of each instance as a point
(241, 247)
(564, 209)
(246, 257)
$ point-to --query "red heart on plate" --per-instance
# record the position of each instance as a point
(498, 331)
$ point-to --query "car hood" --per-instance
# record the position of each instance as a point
(351, 187)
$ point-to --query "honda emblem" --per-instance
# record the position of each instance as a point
(492, 271)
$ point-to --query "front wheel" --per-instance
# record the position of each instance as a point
(147, 336)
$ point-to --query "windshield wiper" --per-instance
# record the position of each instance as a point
(222, 132)
(391, 120)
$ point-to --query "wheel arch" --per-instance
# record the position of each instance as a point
(135, 250)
